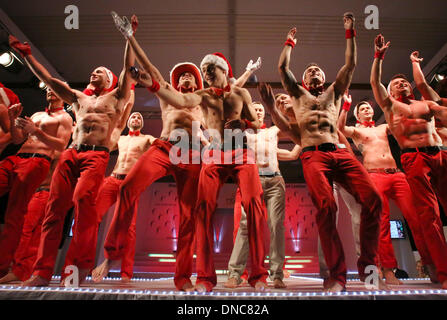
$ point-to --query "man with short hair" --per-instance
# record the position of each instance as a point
(423, 157)
(372, 141)
(81, 167)
(326, 160)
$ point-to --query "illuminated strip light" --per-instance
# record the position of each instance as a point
(166, 260)
(295, 240)
(218, 239)
(174, 239)
(299, 261)
(160, 255)
(293, 266)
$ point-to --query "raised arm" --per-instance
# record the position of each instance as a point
(287, 78)
(251, 67)
(379, 90)
(347, 131)
(61, 88)
(427, 92)
(127, 110)
(248, 112)
(279, 120)
(344, 76)
(286, 155)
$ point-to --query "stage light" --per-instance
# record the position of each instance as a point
(6, 59)
(439, 77)
(42, 85)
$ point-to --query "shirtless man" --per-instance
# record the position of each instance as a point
(325, 160)
(44, 134)
(423, 158)
(7, 99)
(131, 147)
(372, 141)
(265, 144)
(81, 167)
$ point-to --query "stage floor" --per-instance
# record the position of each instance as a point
(161, 287)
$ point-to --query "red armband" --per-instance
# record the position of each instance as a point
(350, 33)
(290, 42)
(132, 87)
(379, 55)
(155, 86)
(346, 106)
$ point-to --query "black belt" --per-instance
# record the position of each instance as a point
(89, 147)
(270, 175)
(119, 176)
(430, 149)
(174, 142)
(326, 147)
(384, 170)
(33, 155)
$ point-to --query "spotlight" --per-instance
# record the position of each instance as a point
(6, 59)
(439, 77)
(42, 85)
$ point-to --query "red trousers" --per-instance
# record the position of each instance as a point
(20, 177)
(237, 220)
(26, 252)
(320, 170)
(153, 165)
(212, 177)
(107, 196)
(76, 180)
(395, 186)
(426, 175)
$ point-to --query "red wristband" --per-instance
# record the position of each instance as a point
(155, 86)
(346, 106)
(350, 33)
(132, 87)
(290, 42)
(379, 55)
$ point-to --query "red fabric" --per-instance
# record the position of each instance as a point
(12, 97)
(20, 177)
(406, 99)
(107, 196)
(153, 165)
(426, 176)
(320, 170)
(350, 33)
(26, 252)
(230, 70)
(346, 106)
(155, 86)
(50, 111)
(134, 133)
(76, 180)
(219, 91)
(237, 221)
(290, 42)
(212, 177)
(379, 55)
(314, 91)
(367, 123)
(395, 186)
(23, 48)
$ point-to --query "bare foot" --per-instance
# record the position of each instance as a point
(232, 283)
(9, 278)
(200, 287)
(286, 273)
(36, 281)
(187, 287)
(333, 286)
(279, 284)
(125, 279)
(431, 270)
(444, 285)
(381, 285)
(390, 277)
(101, 271)
(261, 286)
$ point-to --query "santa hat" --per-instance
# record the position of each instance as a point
(113, 79)
(141, 116)
(219, 60)
(181, 68)
(8, 96)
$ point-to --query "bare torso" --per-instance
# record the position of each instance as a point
(373, 144)
(96, 118)
(413, 125)
(317, 117)
(265, 143)
(175, 118)
(443, 134)
(131, 148)
(49, 124)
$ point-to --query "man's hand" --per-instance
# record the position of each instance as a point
(347, 97)
(142, 77)
(23, 48)
(15, 110)
(235, 124)
(123, 25)
(254, 66)
(414, 57)
(348, 20)
(291, 35)
(134, 22)
(26, 124)
(266, 92)
(379, 44)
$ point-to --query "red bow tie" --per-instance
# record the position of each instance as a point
(186, 90)
(263, 126)
(314, 91)
(219, 92)
(367, 123)
(406, 99)
(91, 92)
(50, 111)
(134, 133)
